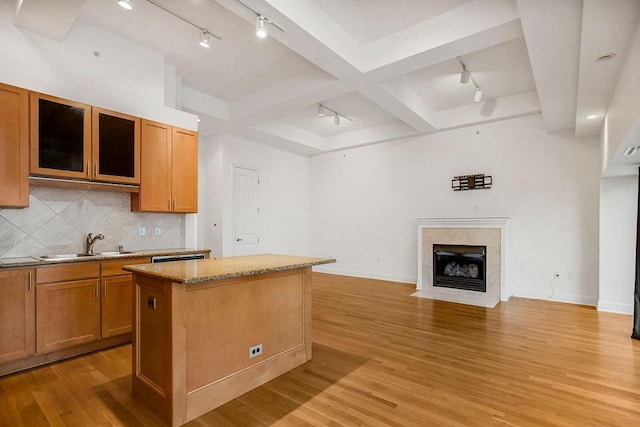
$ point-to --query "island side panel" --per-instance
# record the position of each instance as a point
(158, 347)
(226, 317)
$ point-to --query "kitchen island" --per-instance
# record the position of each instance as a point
(207, 331)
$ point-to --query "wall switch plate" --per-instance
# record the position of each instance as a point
(142, 231)
(255, 351)
(157, 231)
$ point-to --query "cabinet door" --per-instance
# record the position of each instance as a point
(17, 315)
(116, 147)
(155, 179)
(60, 137)
(184, 171)
(116, 305)
(68, 314)
(14, 147)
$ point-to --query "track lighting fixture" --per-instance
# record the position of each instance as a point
(205, 35)
(324, 111)
(478, 96)
(261, 27)
(464, 76)
(205, 41)
(125, 4)
(261, 22)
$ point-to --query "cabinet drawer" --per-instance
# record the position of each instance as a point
(114, 268)
(65, 272)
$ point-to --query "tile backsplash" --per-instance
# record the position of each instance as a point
(58, 220)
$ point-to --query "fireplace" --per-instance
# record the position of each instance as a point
(475, 251)
(460, 267)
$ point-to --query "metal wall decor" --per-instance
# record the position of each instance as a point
(471, 182)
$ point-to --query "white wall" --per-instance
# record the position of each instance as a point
(366, 201)
(624, 109)
(618, 213)
(126, 77)
(284, 195)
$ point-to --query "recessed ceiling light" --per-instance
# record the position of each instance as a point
(125, 4)
(631, 150)
(606, 56)
(592, 116)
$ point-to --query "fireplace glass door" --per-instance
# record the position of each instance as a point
(460, 267)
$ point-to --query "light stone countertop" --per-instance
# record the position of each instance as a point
(204, 270)
(38, 262)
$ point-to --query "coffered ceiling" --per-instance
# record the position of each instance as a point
(392, 66)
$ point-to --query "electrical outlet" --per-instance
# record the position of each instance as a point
(157, 231)
(142, 231)
(255, 351)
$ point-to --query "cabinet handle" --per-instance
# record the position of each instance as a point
(169, 207)
(174, 203)
(97, 290)
(88, 168)
(105, 289)
(30, 282)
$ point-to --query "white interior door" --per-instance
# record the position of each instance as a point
(246, 211)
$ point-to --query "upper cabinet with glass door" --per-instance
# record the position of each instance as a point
(74, 140)
(116, 147)
(60, 137)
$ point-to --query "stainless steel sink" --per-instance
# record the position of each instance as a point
(65, 256)
(76, 256)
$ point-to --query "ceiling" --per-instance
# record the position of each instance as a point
(391, 66)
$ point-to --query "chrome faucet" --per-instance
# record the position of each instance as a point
(91, 240)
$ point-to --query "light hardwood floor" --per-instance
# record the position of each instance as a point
(381, 357)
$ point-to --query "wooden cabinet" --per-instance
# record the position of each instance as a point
(17, 314)
(74, 140)
(68, 314)
(14, 147)
(60, 137)
(117, 298)
(115, 147)
(169, 170)
(184, 170)
(116, 305)
(67, 305)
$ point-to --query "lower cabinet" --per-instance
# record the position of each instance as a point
(116, 305)
(57, 311)
(17, 314)
(68, 314)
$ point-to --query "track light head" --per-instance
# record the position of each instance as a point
(336, 119)
(464, 76)
(205, 40)
(321, 112)
(125, 4)
(478, 95)
(261, 27)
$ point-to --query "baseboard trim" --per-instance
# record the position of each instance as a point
(614, 307)
(556, 296)
(365, 275)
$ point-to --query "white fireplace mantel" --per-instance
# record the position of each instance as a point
(501, 223)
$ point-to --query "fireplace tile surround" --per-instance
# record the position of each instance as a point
(489, 232)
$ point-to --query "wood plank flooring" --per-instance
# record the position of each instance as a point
(383, 358)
